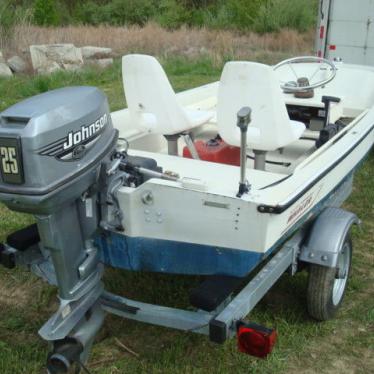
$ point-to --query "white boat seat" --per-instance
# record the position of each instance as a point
(151, 100)
(257, 86)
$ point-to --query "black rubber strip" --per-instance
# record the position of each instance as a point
(280, 163)
(278, 209)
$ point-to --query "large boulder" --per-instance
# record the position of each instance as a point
(51, 68)
(1, 57)
(47, 58)
(89, 52)
(17, 64)
(4, 70)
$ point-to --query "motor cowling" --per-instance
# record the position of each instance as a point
(51, 147)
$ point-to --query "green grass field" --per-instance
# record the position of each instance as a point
(343, 345)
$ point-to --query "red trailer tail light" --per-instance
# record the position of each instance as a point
(256, 340)
(322, 32)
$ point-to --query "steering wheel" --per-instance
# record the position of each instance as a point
(293, 87)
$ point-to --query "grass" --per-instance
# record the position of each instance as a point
(14, 89)
(343, 345)
(152, 39)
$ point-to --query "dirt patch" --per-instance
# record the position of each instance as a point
(15, 295)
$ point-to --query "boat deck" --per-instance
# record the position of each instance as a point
(217, 178)
(355, 102)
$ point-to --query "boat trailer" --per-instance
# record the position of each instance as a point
(71, 338)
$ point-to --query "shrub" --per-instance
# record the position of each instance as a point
(274, 15)
(242, 13)
(45, 13)
(116, 12)
(258, 15)
(229, 14)
(88, 13)
(64, 14)
(172, 14)
(121, 12)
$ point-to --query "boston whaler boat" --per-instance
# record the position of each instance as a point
(242, 174)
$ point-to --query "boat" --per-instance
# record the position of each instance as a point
(196, 223)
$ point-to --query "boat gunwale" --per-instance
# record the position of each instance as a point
(282, 207)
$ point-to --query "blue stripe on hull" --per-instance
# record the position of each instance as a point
(174, 257)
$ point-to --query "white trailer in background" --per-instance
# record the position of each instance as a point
(346, 31)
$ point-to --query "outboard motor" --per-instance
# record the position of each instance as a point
(53, 150)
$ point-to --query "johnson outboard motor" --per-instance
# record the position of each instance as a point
(54, 148)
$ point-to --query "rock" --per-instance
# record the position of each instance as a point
(1, 58)
(17, 64)
(102, 62)
(4, 70)
(48, 69)
(46, 57)
(71, 67)
(90, 52)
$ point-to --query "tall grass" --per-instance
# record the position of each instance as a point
(153, 39)
(6, 24)
(10, 17)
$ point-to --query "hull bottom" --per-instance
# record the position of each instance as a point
(175, 257)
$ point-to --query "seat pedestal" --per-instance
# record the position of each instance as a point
(260, 159)
(172, 144)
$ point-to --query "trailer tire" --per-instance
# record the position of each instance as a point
(327, 286)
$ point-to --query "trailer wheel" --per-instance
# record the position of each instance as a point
(327, 286)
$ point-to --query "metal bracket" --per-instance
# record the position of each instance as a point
(109, 198)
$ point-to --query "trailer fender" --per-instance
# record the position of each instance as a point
(326, 237)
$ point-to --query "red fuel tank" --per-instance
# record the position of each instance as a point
(215, 150)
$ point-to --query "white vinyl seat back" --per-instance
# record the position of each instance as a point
(255, 85)
(152, 101)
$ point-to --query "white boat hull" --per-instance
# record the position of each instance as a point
(197, 224)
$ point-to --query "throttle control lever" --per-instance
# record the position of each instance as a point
(327, 100)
